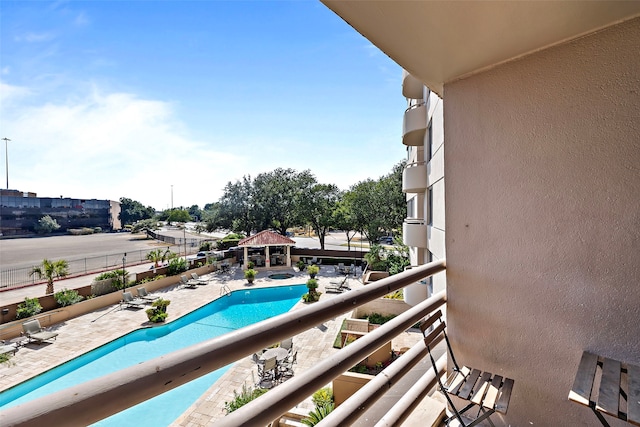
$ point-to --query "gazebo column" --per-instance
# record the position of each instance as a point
(267, 261)
(246, 257)
(288, 257)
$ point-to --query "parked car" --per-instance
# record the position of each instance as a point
(388, 240)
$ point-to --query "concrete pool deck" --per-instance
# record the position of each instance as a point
(84, 333)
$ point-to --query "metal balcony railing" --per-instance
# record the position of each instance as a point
(97, 399)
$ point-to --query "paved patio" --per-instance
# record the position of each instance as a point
(81, 334)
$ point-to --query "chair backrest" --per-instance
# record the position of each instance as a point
(270, 364)
(183, 279)
(195, 276)
(288, 343)
(256, 359)
(127, 297)
(433, 336)
(31, 326)
(142, 292)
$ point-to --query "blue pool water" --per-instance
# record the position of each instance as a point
(223, 315)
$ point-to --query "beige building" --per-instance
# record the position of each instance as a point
(542, 165)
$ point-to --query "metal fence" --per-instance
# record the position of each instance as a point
(19, 277)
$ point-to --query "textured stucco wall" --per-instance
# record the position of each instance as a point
(542, 159)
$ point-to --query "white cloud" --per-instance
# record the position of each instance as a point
(108, 146)
(32, 37)
(82, 20)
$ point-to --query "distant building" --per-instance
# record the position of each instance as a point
(21, 211)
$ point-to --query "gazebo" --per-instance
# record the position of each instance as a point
(266, 239)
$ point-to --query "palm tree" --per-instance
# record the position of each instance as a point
(51, 270)
(158, 255)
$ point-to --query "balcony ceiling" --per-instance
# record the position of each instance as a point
(441, 41)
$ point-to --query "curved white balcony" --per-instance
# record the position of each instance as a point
(411, 87)
(414, 125)
(414, 232)
(414, 177)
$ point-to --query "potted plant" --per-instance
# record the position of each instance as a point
(313, 295)
(158, 311)
(313, 270)
(250, 274)
(301, 265)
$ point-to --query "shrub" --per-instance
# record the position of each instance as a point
(205, 246)
(67, 297)
(322, 397)
(177, 266)
(158, 311)
(318, 414)
(301, 265)
(379, 319)
(250, 274)
(245, 396)
(313, 270)
(151, 279)
(30, 307)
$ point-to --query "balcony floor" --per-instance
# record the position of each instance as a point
(81, 334)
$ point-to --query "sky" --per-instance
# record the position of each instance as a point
(168, 101)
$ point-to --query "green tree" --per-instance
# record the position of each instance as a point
(236, 206)
(132, 211)
(344, 218)
(157, 256)
(51, 270)
(195, 212)
(319, 207)
(279, 198)
(46, 225)
(394, 204)
(178, 215)
(366, 206)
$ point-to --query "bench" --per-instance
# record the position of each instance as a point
(608, 386)
(483, 390)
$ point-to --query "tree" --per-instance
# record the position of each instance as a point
(195, 212)
(236, 206)
(319, 208)
(178, 215)
(394, 207)
(157, 256)
(46, 225)
(51, 270)
(366, 206)
(344, 218)
(132, 211)
(279, 198)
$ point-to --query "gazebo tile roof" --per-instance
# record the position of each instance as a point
(266, 238)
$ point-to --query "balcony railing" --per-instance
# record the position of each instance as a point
(415, 232)
(414, 124)
(411, 87)
(414, 177)
(97, 399)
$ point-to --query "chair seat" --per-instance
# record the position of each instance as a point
(481, 388)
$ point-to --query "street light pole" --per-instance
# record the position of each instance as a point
(124, 274)
(6, 157)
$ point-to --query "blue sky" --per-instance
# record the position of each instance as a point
(110, 99)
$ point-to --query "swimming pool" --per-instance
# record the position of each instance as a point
(223, 315)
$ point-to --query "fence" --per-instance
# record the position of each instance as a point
(19, 277)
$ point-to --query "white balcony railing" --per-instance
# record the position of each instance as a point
(411, 87)
(94, 400)
(414, 232)
(414, 177)
(414, 125)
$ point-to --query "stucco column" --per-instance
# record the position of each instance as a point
(246, 255)
(267, 261)
(288, 256)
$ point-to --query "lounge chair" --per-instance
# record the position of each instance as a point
(338, 287)
(129, 301)
(34, 332)
(8, 348)
(143, 294)
(199, 280)
(186, 283)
